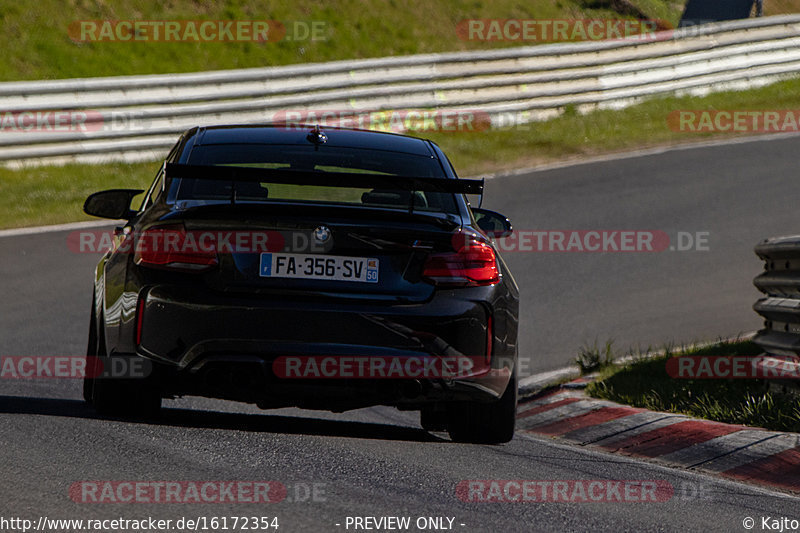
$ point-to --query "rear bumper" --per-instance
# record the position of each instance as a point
(211, 344)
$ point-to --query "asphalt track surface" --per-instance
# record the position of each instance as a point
(377, 462)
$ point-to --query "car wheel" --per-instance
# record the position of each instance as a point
(485, 423)
(130, 397)
(432, 419)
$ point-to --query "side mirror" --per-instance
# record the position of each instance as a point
(492, 223)
(114, 204)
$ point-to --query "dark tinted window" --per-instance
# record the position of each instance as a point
(323, 159)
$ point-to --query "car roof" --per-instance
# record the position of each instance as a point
(297, 135)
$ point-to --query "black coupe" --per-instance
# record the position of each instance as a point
(320, 268)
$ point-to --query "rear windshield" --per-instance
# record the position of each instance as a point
(323, 159)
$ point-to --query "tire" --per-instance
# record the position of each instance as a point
(134, 398)
(131, 397)
(432, 419)
(485, 423)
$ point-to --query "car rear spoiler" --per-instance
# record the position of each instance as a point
(327, 179)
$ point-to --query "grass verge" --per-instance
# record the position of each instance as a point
(645, 383)
(53, 195)
(37, 42)
(594, 358)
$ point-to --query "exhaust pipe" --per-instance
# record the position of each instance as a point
(411, 389)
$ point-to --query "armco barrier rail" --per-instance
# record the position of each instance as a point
(139, 117)
(780, 282)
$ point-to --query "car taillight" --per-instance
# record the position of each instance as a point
(139, 319)
(473, 264)
(489, 335)
(169, 247)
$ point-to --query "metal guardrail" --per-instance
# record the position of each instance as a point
(139, 117)
(780, 282)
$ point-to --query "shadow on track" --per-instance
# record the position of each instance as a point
(202, 419)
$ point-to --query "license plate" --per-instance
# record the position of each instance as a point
(322, 267)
